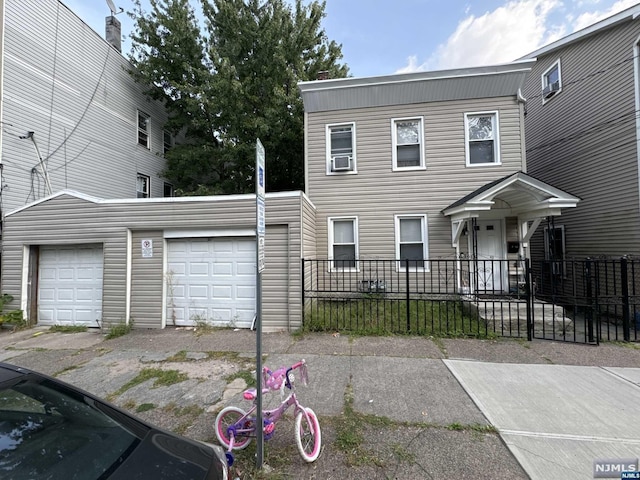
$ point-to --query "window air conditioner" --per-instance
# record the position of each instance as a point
(551, 89)
(341, 163)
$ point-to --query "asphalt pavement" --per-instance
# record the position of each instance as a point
(424, 407)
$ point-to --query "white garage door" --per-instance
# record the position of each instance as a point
(70, 286)
(211, 280)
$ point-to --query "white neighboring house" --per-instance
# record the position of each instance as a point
(72, 116)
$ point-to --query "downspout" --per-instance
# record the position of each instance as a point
(522, 102)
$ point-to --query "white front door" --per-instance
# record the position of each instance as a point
(491, 271)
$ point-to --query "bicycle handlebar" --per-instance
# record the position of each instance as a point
(274, 380)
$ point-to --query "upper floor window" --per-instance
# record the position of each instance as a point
(408, 146)
(168, 141)
(481, 132)
(143, 129)
(411, 241)
(551, 81)
(341, 148)
(343, 242)
(142, 186)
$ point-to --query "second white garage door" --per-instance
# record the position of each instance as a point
(211, 280)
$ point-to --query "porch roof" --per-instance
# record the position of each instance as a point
(524, 195)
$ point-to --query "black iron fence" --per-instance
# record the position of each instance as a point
(577, 301)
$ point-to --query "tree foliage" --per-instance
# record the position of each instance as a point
(230, 81)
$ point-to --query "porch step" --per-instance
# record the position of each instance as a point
(510, 317)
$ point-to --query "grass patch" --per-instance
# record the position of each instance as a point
(246, 375)
(68, 328)
(66, 369)
(162, 378)
(119, 329)
(383, 315)
(474, 427)
(145, 407)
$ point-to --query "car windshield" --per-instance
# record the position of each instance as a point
(49, 432)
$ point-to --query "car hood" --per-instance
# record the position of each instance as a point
(160, 456)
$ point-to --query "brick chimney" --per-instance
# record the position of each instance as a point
(113, 32)
(323, 75)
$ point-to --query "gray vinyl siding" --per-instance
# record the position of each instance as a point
(308, 223)
(146, 285)
(68, 220)
(376, 193)
(65, 83)
(583, 140)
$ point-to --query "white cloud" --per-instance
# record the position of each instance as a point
(589, 18)
(511, 31)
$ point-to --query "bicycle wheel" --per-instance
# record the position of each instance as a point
(308, 436)
(229, 417)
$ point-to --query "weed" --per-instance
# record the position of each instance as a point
(119, 329)
(68, 328)
(162, 378)
(129, 405)
(145, 407)
(248, 377)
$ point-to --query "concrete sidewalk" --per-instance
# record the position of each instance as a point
(556, 406)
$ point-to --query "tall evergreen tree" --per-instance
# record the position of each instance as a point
(233, 83)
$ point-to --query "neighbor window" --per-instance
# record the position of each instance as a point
(341, 150)
(408, 146)
(168, 141)
(551, 81)
(142, 186)
(481, 131)
(343, 242)
(168, 190)
(143, 129)
(411, 241)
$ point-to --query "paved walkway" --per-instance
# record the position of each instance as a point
(557, 407)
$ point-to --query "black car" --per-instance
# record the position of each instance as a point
(51, 430)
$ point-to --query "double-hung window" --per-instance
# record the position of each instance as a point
(551, 81)
(168, 141)
(482, 140)
(408, 144)
(343, 243)
(143, 129)
(341, 148)
(411, 242)
(142, 186)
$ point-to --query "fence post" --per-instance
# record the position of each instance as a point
(625, 299)
(589, 295)
(406, 270)
(528, 291)
(303, 287)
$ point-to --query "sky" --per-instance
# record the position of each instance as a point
(384, 37)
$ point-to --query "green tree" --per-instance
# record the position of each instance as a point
(231, 82)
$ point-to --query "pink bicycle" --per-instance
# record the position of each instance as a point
(235, 428)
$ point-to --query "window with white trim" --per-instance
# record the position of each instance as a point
(411, 241)
(343, 242)
(143, 129)
(408, 145)
(551, 81)
(482, 139)
(143, 186)
(168, 141)
(341, 148)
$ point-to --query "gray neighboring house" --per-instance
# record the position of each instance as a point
(424, 166)
(72, 117)
(582, 128)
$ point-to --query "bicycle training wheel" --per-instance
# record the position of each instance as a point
(308, 443)
(229, 418)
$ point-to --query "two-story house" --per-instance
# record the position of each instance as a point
(72, 116)
(582, 129)
(424, 166)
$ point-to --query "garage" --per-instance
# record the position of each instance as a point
(70, 285)
(211, 280)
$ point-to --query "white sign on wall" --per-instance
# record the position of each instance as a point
(147, 248)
